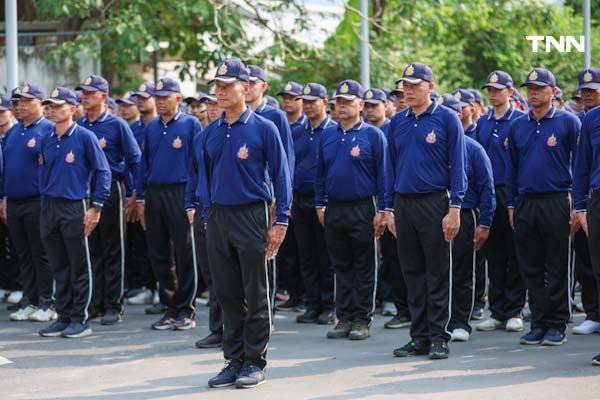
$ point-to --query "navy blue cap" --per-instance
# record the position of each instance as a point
(499, 80)
(589, 78)
(577, 95)
(332, 98)
(145, 90)
(375, 96)
(313, 91)
(349, 90)
(94, 83)
(434, 96)
(558, 95)
(211, 95)
(389, 95)
(450, 101)
(517, 96)
(399, 88)
(464, 96)
(128, 98)
(417, 72)
(111, 103)
(271, 101)
(291, 88)
(540, 77)
(14, 94)
(232, 70)
(257, 73)
(200, 96)
(79, 96)
(31, 92)
(62, 95)
(477, 94)
(5, 103)
(166, 86)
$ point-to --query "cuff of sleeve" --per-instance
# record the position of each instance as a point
(138, 200)
(582, 210)
(281, 223)
(389, 209)
(97, 203)
(283, 220)
(455, 206)
(484, 226)
(319, 207)
(509, 207)
(381, 210)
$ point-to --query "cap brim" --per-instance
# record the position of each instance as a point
(590, 85)
(88, 88)
(397, 91)
(190, 99)
(2, 108)
(537, 83)
(309, 97)
(373, 101)
(413, 81)
(495, 85)
(146, 95)
(208, 98)
(256, 78)
(346, 96)
(288, 93)
(226, 79)
(54, 101)
(164, 92)
(28, 96)
(119, 101)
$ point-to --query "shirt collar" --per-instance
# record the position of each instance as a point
(324, 124)
(430, 110)
(300, 121)
(68, 132)
(471, 128)
(102, 117)
(34, 123)
(549, 114)
(507, 115)
(175, 118)
(260, 108)
(243, 119)
(357, 127)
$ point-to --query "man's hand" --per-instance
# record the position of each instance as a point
(575, 223)
(379, 224)
(90, 220)
(275, 237)
(451, 224)
(391, 222)
(481, 235)
(190, 214)
(582, 217)
(130, 209)
(141, 207)
(511, 218)
(321, 216)
(3, 210)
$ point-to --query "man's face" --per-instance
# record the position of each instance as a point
(167, 105)
(30, 108)
(15, 109)
(290, 105)
(400, 102)
(467, 114)
(314, 109)
(145, 105)
(539, 96)
(348, 110)
(230, 95)
(374, 112)
(5, 117)
(213, 111)
(198, 110)
(390, 109)
(417, 94)
(58, 113)
(79, 111)
(128, 111)
(499, 97)
(256, 90)
(590, 97)
(92, 99)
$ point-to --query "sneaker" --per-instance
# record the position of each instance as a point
(14, 297)
(94, 313)
(23, 314)
(290, 305)
(211, 341)
(439, 351)
(397, 323)
(587, 327)
(309, 317)
(76, 330)
(490, 324)
(341, 330)
(163, 324)
(534, 336)
(4, 295)
(514, 325)
(327, 317)
(250, 376)
(55, 329)
(388, 309)
(360, 331)
(554, 337)
(43, 315)
(184, 322)
(596, 360)
(459, 335)
(416, 347)
(146, 296)
(156, 309)
(111, 317)
(226, 377)
(477, 314)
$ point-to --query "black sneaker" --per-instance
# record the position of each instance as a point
(226, 377)
(94, 313)
(163, 324)
(439, 351)
(397, 323)
(184, 322)
(596, 360)
(250, 376)
(327, 317)
(309, 317)
(415, 347)
(290, 305)
(111, 317)
(341, 330)
(360, 331)
(211, 341)
(76, 330)
(156, 309)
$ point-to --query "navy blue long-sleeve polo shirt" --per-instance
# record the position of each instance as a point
(283, 127)
(480, 193)
(586, 174)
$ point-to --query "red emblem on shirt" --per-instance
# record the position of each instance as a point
(355, 152)
(31, 143)
(506, 143)
(551, 141)
(243, 152)
(430, 137)
(177, 143)
(70, 158)
(102, 142)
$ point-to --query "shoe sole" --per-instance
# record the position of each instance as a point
(337, 337)
(596, 362)
(221, 385)
(162, 327)
(486, 329)
(54, 334)
(353, 337)
(19, 319)
(242, 386)
(405, 355)
(184, 327)
(438, 356)
(208, 346)
(551, 343)
(332, 322)
(513, 330)
(461, 340)
(111, 322)
(530, 342)
(397, 326)
(306, 322)
(85, 333)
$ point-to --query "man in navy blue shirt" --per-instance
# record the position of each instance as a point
(127, 108)
(70, 158)
(291, 104)
(241, 157)
(316, 269)
(107, 244)
(161, 197)
(398, 93)
(476, 215)
(538, 178)
(427, 153)
(22, 205)
(506, 291)
(198, 107)
(352, 210)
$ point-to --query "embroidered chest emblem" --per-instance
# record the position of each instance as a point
(31, 143)
(431, 138)
(355, 152)
(243, 152)
(102, 142)
(551, 141)
(177, 143)
(70, 158)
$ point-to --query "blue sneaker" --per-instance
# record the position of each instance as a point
(55, 329)
(534, 336)
(77, 330)
(554, 337)
(250, 376)
(226, 377)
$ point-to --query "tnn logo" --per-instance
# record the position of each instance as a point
(562, 45)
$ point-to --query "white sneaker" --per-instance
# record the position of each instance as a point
(514, 325)
(144, 297)
(587, 327)
(43, 315)
(490, 324)
(23, 314)
(156, 298)
(15, 297)
(460, 335)
(3, 295)
(388, 309)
